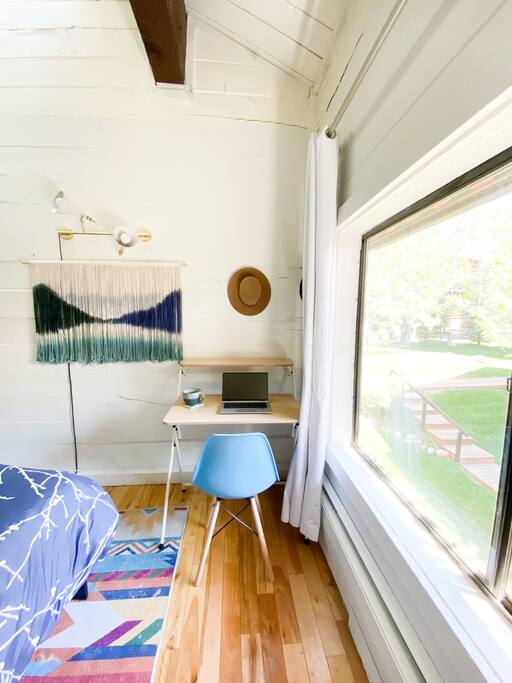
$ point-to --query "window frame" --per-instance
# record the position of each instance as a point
(494, 582)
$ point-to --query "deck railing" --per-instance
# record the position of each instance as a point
(426, 401)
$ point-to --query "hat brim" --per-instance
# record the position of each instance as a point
(234, 291)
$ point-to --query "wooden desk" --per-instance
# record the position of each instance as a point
(285, 411)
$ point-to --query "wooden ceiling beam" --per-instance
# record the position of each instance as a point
(163, 27)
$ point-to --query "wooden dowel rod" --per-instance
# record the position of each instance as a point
(110, 263)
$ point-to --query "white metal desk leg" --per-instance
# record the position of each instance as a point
(291, 371)
(295, 435)
(178, 454)
(167, 489)
(177, 445)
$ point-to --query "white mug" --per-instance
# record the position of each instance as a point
(193, 397)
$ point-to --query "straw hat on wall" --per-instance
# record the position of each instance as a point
(249, 291)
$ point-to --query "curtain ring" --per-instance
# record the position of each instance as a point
(331, 134)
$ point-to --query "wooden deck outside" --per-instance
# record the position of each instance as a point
(236, 627)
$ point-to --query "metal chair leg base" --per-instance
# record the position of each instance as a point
(210, 527)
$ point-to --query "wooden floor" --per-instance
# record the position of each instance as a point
(238, 627)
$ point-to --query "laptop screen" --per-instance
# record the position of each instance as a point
(245, 386)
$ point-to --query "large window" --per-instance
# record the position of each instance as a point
(434, 362)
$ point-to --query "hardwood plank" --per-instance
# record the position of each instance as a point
(209, 670)
(271, 523)
(175, 622)
(201, 590)
(296, 668)
(232, 531)
(201, 530)
(339, 666)
(252, 658)
(126, 497)
(249, 618)
(180, 604)
(337, 605)
(329, 633)
(231, 656)
(187, 664)
(288, 626)
(293, 562)
(273, 657)
(289, 536)
(263, 585)
(312, 643)
(356, 666)
(256, 512)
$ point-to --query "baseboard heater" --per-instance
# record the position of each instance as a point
(383, 651)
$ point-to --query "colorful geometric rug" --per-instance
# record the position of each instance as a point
(113, 636)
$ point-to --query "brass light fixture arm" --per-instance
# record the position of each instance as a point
(84, 217)
(69, 233)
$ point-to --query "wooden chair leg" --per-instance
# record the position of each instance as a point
(210, 513)
(259, 508)
(207, 541)
(261, 537)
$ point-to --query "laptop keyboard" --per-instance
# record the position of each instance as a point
(240, 406)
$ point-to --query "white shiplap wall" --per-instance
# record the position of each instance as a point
(404, 88)
(215, 171)
(230, 80)
(294, 36)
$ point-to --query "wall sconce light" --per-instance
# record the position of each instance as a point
(63, 205)
(128, 238)
(124, 236)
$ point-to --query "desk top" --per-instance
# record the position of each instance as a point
(285, 410)
(234, 362)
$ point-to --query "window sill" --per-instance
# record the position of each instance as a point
(466, 637)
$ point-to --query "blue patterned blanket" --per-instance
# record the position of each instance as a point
(53, 527)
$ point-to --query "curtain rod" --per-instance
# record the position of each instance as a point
(110, 263)
(365, 66)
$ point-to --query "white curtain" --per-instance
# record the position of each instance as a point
(301, 503)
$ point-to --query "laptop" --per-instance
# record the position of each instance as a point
(245, 392)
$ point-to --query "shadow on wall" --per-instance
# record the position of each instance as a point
(343, 171)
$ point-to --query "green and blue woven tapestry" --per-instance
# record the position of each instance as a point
(107, 313)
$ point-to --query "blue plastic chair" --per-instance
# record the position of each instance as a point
(235, 466)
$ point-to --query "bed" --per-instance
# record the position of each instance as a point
(53, 527)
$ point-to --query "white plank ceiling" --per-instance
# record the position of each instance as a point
(294, 35)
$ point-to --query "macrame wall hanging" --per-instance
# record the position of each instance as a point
(107, 312)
